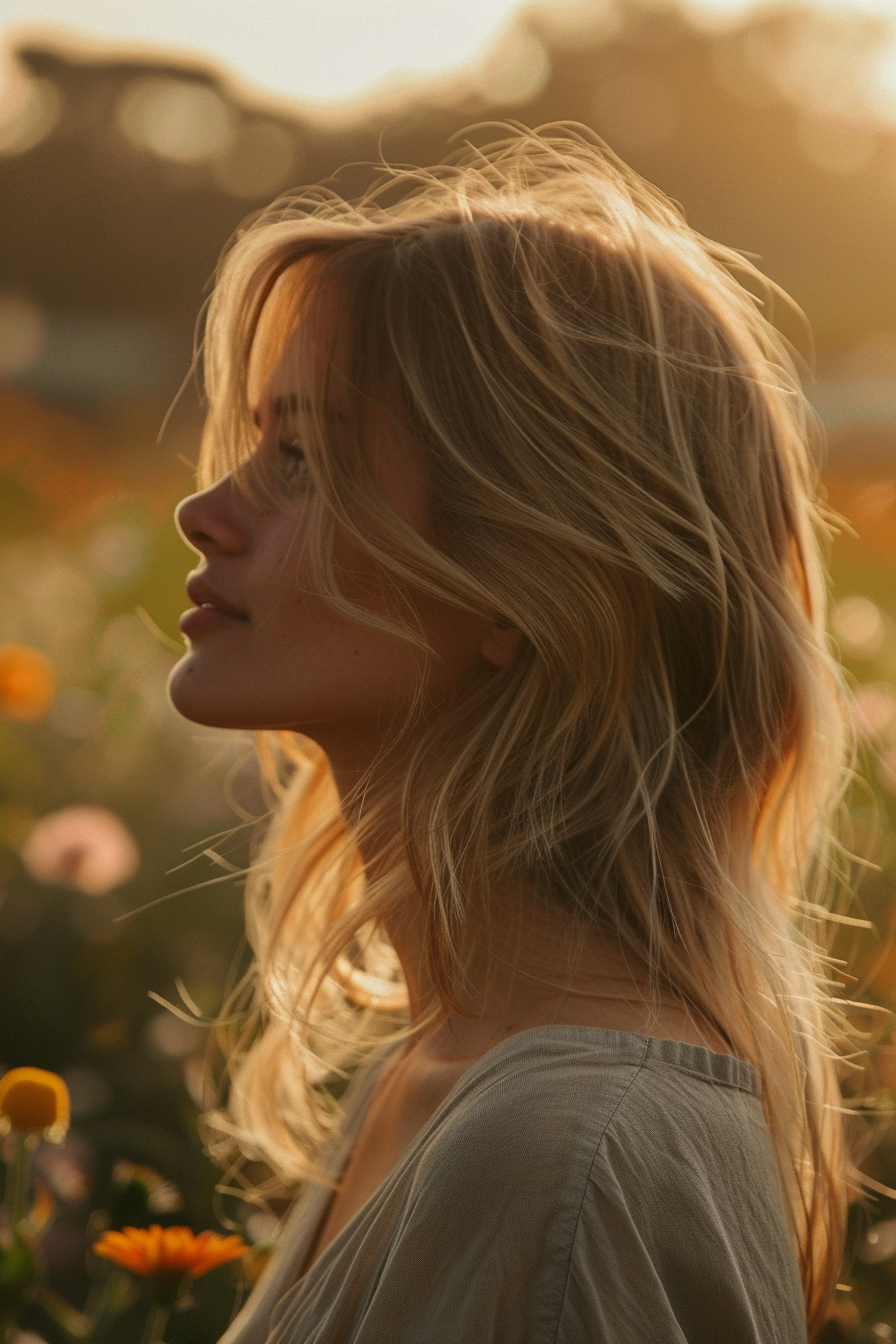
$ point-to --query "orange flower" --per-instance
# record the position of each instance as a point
(27, 682)
(168, 1252)
(34, 1101)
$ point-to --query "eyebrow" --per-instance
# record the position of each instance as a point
(290, 404)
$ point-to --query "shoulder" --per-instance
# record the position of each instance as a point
(541, 1100)
(570, 1090)
(554, 1111)
(685, 1197)
(690, 1132)
(553, 1191)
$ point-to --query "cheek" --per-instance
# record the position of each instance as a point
(332, 658)
(302, 646)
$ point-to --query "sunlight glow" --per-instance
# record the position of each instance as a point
(317, 50)
(738, 8)
(329, 54)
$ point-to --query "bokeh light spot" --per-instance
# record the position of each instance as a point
(515, 71)
(261, 1226)
(29, 110)
(859, 625)
(168, 1035)
(22, 330)
(874, 708)
(177, 119)
(116, 553)
(878, 1244)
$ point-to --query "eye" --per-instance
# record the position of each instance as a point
(293, 463)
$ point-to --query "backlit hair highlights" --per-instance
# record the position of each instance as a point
(619, 462)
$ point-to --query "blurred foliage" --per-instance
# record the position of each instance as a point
(862, 490)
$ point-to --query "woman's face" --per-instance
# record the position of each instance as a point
(266, 650)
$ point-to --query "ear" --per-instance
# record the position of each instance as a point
(500, 643)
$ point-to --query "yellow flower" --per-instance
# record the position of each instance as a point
(34, 1101)
(168, 1252)
(27, 682)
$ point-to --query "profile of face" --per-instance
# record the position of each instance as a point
(268, 651)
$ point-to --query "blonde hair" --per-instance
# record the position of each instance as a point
(619, 462)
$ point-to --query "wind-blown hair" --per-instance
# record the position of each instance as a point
(619, 462)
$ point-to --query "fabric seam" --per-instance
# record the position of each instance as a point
(625, 1091)
(732, 1083)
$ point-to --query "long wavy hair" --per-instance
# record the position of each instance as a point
(620, 462)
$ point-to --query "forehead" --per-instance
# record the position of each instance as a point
(300, 359)
(277, 402)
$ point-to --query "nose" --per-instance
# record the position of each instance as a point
(214, 520)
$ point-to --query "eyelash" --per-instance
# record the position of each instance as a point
(298, 463)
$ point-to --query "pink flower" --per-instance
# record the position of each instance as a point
(87, 848)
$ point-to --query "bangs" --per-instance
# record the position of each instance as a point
(306, 329)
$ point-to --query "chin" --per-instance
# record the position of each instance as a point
(200, 693)
(192, 697)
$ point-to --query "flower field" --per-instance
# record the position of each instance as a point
(103, 790)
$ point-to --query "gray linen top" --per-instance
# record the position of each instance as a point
(576, 1186)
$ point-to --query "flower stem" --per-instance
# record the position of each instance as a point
(18, 1180)
(155, 1325)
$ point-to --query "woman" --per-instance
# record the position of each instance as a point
(509, 546)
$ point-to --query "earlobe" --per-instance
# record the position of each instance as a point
(500, 642)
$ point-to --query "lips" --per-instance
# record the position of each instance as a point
(202, 594)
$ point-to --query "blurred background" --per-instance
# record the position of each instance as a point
(134, 138)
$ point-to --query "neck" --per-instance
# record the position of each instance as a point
(528, 967)
(523, 961)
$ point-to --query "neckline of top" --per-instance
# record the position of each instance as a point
(622, 1047)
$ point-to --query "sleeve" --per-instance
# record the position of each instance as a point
(682, 1236)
